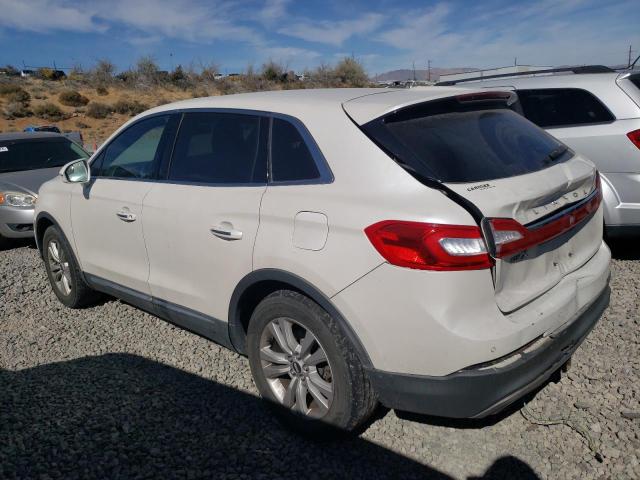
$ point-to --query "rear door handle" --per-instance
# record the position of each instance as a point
(226, 231)
(126, 216)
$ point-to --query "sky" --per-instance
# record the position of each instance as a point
(383, 34)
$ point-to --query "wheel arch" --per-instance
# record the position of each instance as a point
(43, 221)
(40, 225)
(611, 200)
(255, 286)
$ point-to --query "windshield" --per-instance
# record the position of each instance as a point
(33, 154)
(451, 142)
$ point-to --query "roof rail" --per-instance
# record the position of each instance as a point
(576, 70)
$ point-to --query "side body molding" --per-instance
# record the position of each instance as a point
(273, 276)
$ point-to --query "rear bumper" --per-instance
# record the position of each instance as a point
(16, 222)
(482, 391)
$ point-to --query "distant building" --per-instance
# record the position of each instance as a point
(492, 71)
(26, 73)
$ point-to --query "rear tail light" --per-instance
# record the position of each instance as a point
(634, 137)
(432, 246)
(511, 237)
(429, 246)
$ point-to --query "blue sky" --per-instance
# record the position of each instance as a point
(383, 34)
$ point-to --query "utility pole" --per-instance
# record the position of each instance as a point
(515, 62)
(629, 63)
(414, 71)
(429, 70)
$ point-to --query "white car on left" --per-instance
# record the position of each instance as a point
(27, 160)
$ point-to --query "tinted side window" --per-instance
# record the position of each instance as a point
(220, 148)
(558, 107)
(135, 152)
(291, 159)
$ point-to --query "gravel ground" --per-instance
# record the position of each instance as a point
(112, 392)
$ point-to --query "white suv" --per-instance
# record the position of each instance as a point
(430, 250)
(596, 114)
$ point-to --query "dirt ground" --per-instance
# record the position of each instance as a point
(94, 131)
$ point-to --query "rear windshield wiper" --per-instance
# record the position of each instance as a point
(557, 153)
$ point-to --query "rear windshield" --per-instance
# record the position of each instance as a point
(18, 155)
(449, 141)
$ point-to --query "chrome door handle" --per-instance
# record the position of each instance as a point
(126, 216)
(226, 232)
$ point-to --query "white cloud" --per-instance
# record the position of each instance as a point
(418, 27)
(183, 19)
(273, 10)
(44, 15)
(541, 33)
(484, 34)
(331, 32)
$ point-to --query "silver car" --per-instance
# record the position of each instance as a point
(27, 160)
(596, 114)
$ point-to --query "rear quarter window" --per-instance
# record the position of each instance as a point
(291, 159)
(563, 107)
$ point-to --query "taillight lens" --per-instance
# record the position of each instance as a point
(511, 237)
(429, 246)
(634, 137)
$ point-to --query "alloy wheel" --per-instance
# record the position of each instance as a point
(296, 367)
(59, 266)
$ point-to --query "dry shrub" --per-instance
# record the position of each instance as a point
(126, 106)
(15, 110)
(7, 88)
(72, 98)
(49, 111)
(98, 110)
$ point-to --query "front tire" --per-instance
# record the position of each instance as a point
(64, 273)
(302, 363)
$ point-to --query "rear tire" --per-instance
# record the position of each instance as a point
(64, 273)
(329, 378)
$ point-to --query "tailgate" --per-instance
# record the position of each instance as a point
(537, 201)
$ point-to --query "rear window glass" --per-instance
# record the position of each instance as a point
(562, 107)
(466, 145)
(291, 159)
(39, 153)
(224, 148)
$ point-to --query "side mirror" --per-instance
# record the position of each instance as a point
(76, 172)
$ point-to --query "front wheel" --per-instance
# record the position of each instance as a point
(64, 273)
(302, 362)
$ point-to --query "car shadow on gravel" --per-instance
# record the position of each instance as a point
(124, 416)
(625, 248)
(19, 243)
